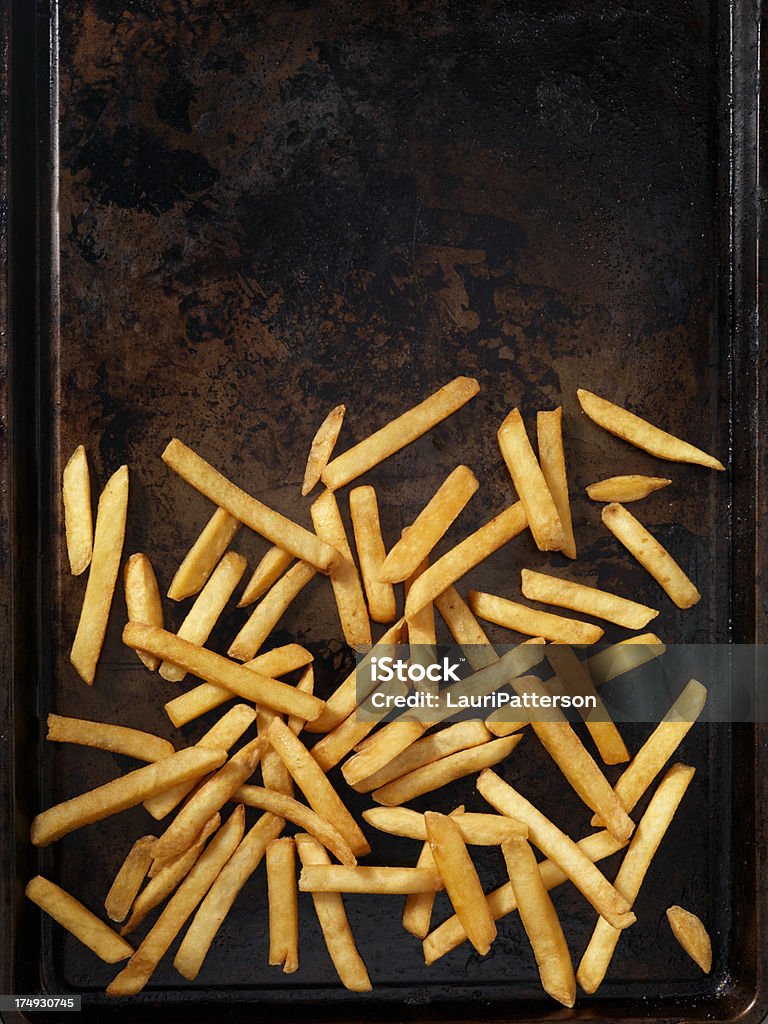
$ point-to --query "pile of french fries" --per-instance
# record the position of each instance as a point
(201, 860)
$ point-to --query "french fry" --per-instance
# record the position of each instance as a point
(431, 524)
(323, 444)
(476, 829)
(303, 817)
(422, 638)
(105, 564)
(556, 845)
(142, 599)
(329, 907)
(122, 793)
(274, 774)
(399, 432)
(549, 428)
(540, 920)
(626, 488)
(531, 487)
(265, 575)
(270, 610)
(283, 897)
(648, 836)
(641, 433)
(223, 892)
(347, 589)
(460, 879)
(159, 866)
(417, 910)
(652, 555)
(208, 606)
(118, 739)
(692, 936)
(78, 920)
(78, 520)
(336, 744)
(338, 878)
(381, 748)
(539, 586)
(129, 878)
(623, 657)
(203, 557)
(465, 556)
(522, 619)
(465, 629)
(306, 684)
(447, 769)
(364, 511)
(221, 671)
(311, 780)
(139, 969)
(247, 509)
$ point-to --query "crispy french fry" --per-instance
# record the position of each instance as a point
(540, 920)
(283, 896)
(692, 936)
(648, 836)
(336, 744)
(208, 606)
(641, 433)
(465, 556)
(274, 774)
(78, 920)
(105, 564)
(465, 629)
(270, 610)
(323, 444)
(381, 748)
(549, 428)
(142, 598)
(422, 638)
(399, 432)
(265, 575)
(329, 907)
(223, 892)
(247, 509)
(119, 739)
(306, 684)
(123, 792)
(129, 878)
(476, 829)
(652, 555)
(556, 845)
(78, 520)
(364, 511)
(203, 556)
(417, 910)
(430, 525)
(139, 969)
(523, 619)
(338, 878)
(347, 589)
(623, 657)
(626, 488)
(532, 489)
(539, 586)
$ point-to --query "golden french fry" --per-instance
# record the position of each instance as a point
(431, 524)
(539, 586)
(306, 684)
(364, 511)
(336, 744)
(540, 920)
(626, 488)
(129, 878)
(381, 748)
(422, 638)
(556, 845)
(338, 878)
(652, 555)
(274, 774)
(265, 575)
(465, 556)
(270, 610)
(323, 444)
(139, 969)
(648, 836)
(208, 606)
(549, 428)
(531, 487)
(119, 739)
(204, 555)
(476, 829)
(283, 896)
(78, 920)
(417, 911)
(247, 509)
(122, 793)
(78, 520)
(142, 598)
(223, 892)
(105, 564)
(641, 433)
(522, 619)
(221, 671)
(692, 936)
(623, 657)
(347, 589)
(329, 907)
(399, 432)
(465, 629)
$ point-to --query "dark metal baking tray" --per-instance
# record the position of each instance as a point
(232, 216)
